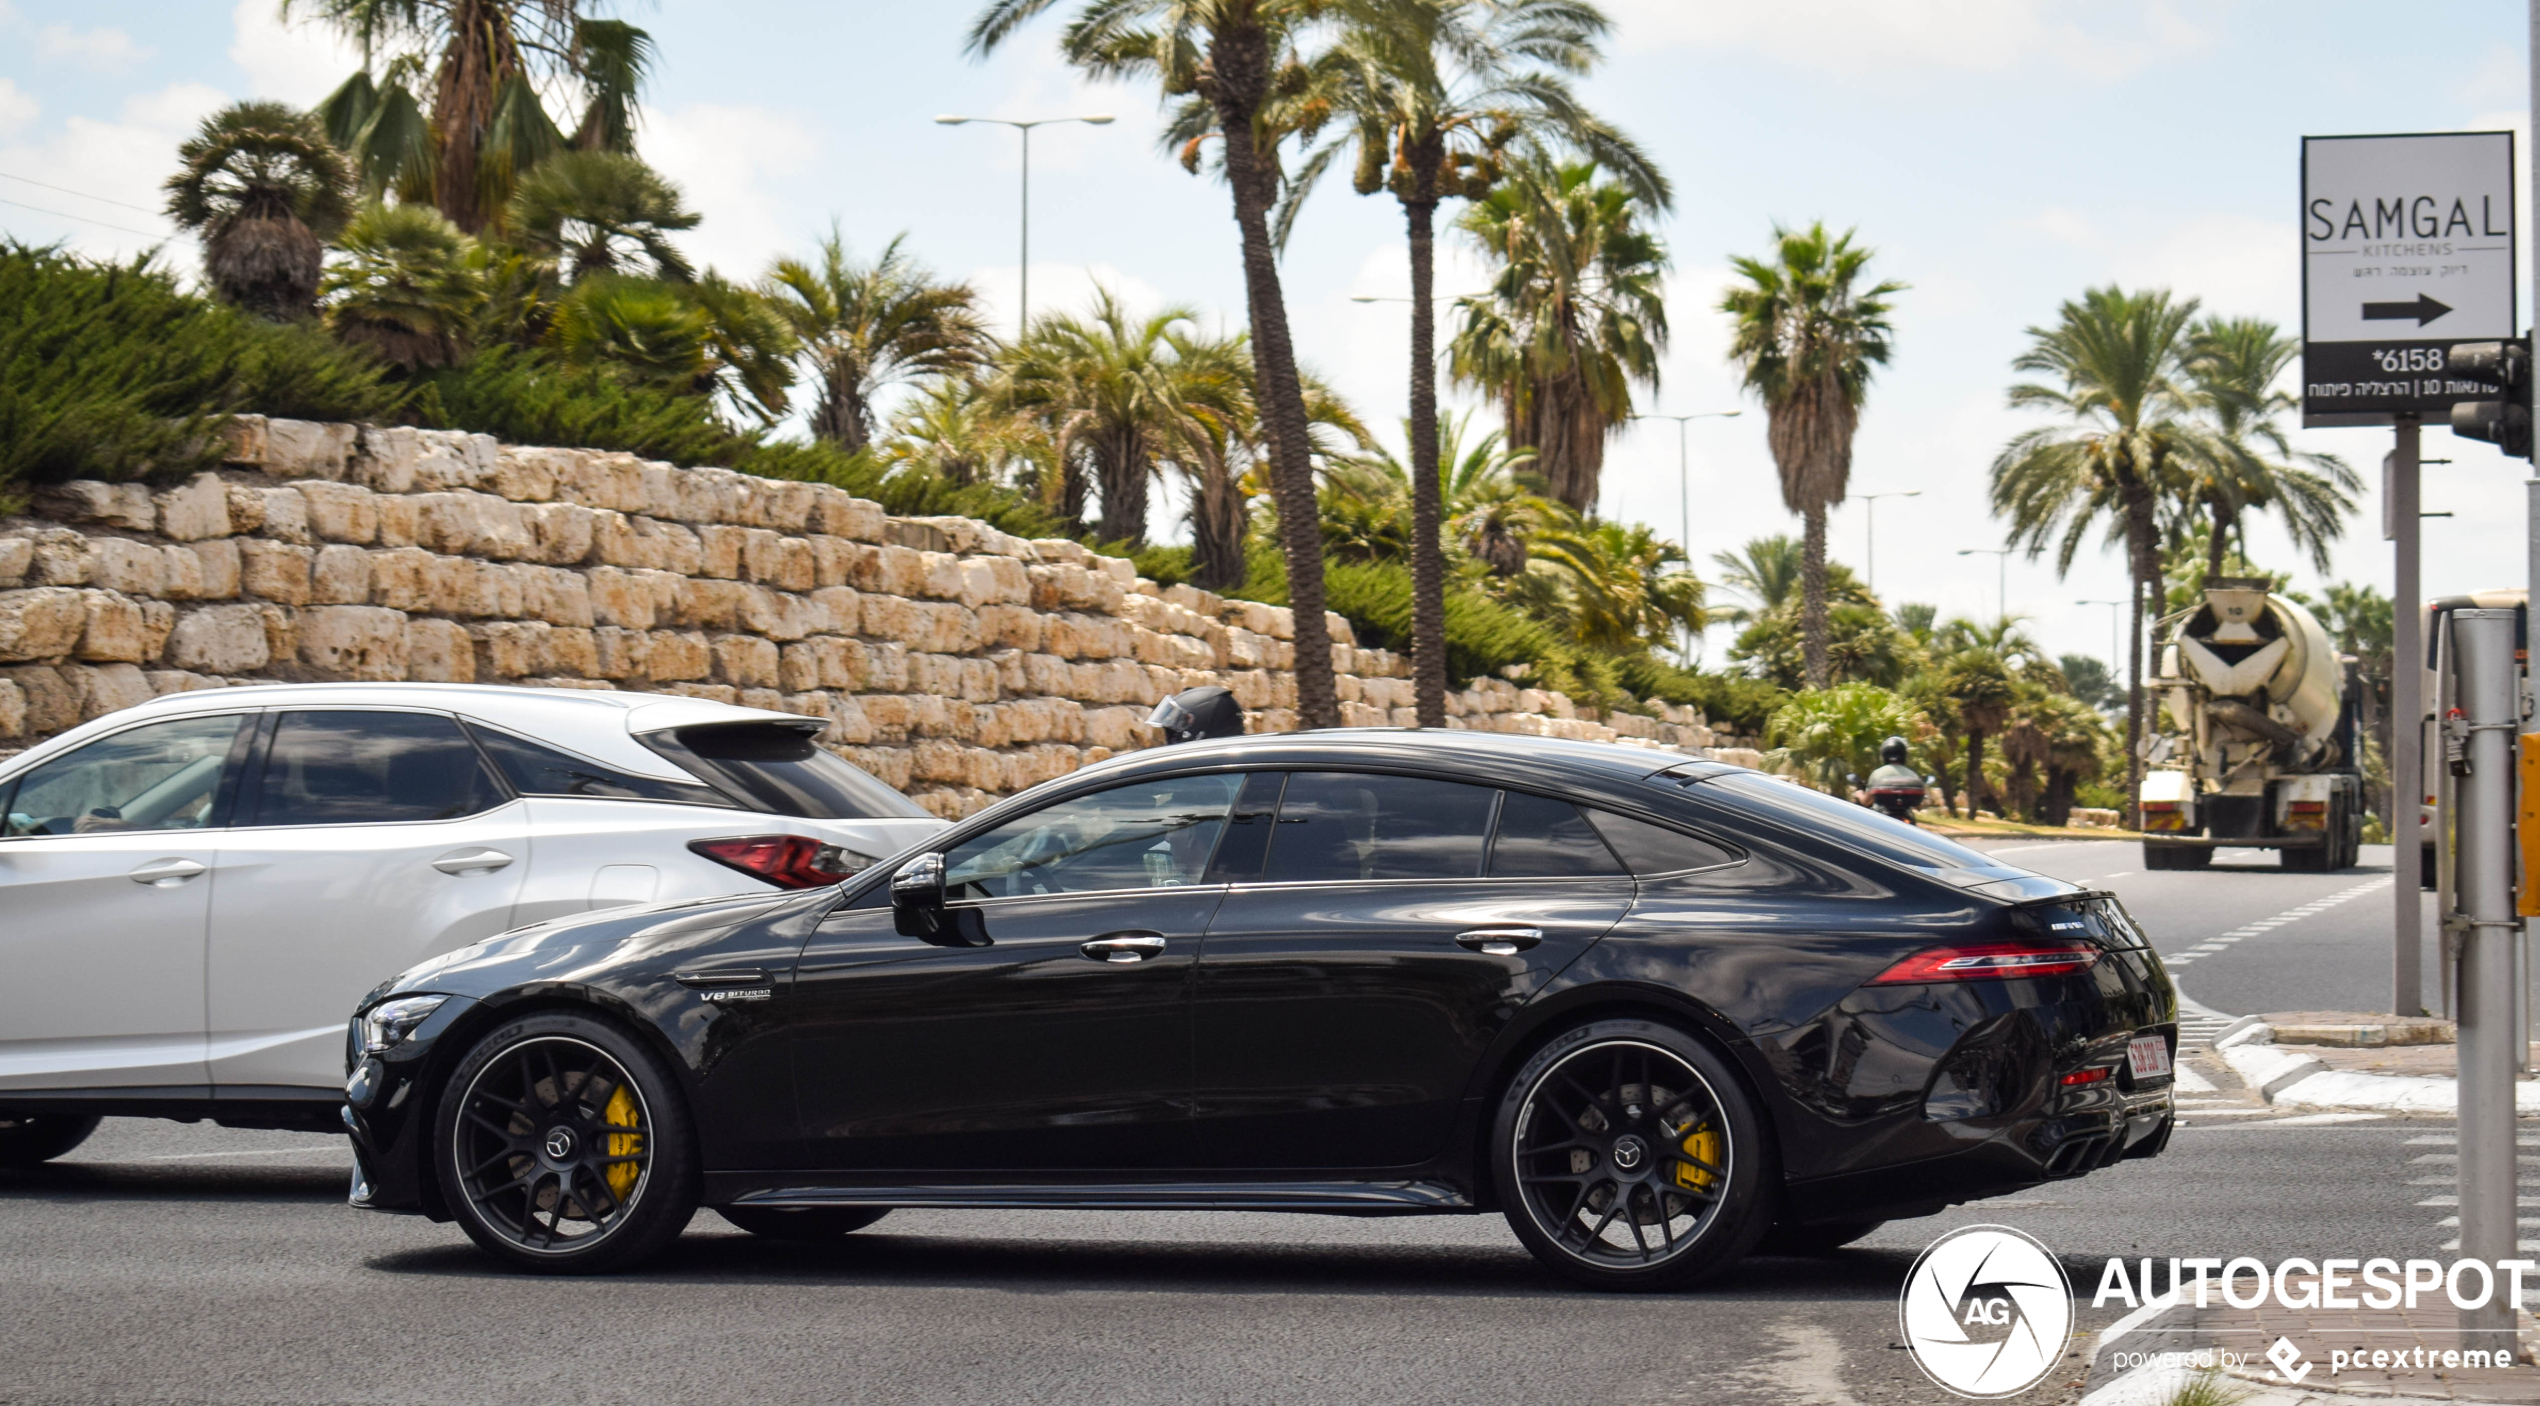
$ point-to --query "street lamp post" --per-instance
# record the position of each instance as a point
(2001, 575)
(2116, 608)
(1870, 545)
(1684, 469)
(1023, 299)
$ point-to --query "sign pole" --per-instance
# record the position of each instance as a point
(2407, 730)
(2482, 657)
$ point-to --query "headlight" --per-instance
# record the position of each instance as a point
(389, 1023)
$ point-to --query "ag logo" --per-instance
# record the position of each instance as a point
(1987, 1311)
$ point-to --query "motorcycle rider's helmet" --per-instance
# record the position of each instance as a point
(1196, 713)
(1893, 751)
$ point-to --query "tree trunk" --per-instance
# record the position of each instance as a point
(2143, 545)
(2216, 538)
(1812, 600)
(1217, 532)
(1123, 463)
(1975, 772)
(482, 53)
(2058, 809)
(1428, 558)
(1239, 57)
(839, 416)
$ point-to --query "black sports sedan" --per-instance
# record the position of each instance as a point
(1653, 1011)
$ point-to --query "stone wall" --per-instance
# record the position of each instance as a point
(953, 660)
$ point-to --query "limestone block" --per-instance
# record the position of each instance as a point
(679, 655)
(713, 604)
(888, 765)
(180, 574)
(121, 629)
(890, 715)
(219, 564)
(401, 459)
(195, 511)
(219, 639)
(340, 512)
(787, 563)
(400, 519)
(1116, 728)
(559, 597)
(766, 698)
(840, 610)
(1251, 688)
(833, 559)
(1344, 659)
(281, 513)
(307, 449)
(837, 513)
(17, 557)
(620, 653)
(1363, 715)
(943, 575)
(109, 688)
(798, 666)
(778, 616)
(939, 760)
(746, 661)
(439, 651)
(847, 723)
(124, 505)
(712, 692)
(12, 709)
(560, 534)
(511, 649)
(1060, 549)
(61, 558)
(401, 578)
(721, 547)
(619, 598)
(460, 587)
(648, 543)
(917, 534)
(614, 482)
(889, 571)
(778, 504)
(699, 496)
(43, 623)
(243, 440)
(282, 630)
(938, 675)
(164, 681)
(471, 524)
(340, 576)
(529, 475)
(275, 571)
(354, 641)
(885, 666)
(52, 701)
(1010, 627)
(121, 564)
(573, 652)
(1339, 627)
(1063, 586)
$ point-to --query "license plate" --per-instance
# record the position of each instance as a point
(2148, 1056)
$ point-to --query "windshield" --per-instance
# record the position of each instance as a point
(778, 769)
(1858, 826)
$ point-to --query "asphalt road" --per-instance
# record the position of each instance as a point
(168, 1263)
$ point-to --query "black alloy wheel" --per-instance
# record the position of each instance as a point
(564, 1147)
(1628, 1157)
(802, 1222)
(33, 1139)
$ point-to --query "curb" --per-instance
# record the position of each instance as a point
(2280, 1076)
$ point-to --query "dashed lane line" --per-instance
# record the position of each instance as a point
(2215, 945)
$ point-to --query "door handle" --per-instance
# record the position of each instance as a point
(472, 861)
(1499, 942)
(1124, 947)
(166, 873)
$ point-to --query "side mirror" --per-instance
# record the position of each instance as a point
(1931, 780)
(918, 911)
(1853, 777)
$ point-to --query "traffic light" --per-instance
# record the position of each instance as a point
(2505, 365)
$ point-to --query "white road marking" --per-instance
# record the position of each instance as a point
(259, 1152)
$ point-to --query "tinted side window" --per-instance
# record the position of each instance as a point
(348, 768)
(543, 771)
(159, 776)
(1655, 849)
(780, 770)
(1543, 838)
(1342, 826)
(1149, 834)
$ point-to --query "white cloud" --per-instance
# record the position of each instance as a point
(298, 63)
(106, 49)
(733, 163)
(1855, 37)
(17, 109)
(114, 167)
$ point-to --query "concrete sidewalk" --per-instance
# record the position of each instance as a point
(2306, 1076)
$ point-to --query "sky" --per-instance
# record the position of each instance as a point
(2000, 155)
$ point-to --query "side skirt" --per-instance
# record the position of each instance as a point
(1363, 1198)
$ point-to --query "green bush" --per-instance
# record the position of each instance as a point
(110, 371)
(523, 396)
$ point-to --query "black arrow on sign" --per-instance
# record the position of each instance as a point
(2424, 310)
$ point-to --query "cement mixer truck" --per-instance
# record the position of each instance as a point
(2260, 748)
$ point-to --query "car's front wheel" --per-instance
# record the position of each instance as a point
(802, 1222)
(564, 1147)
(1628, 1157)
(32, 1139)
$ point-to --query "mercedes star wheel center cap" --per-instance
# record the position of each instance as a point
(1628, 1153)
(559, 1144)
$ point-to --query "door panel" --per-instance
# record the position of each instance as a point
(105, 854)
(340, 884)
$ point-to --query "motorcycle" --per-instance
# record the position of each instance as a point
(1896, 797)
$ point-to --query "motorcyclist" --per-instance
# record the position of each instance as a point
(1196, 713)
(1895, 787)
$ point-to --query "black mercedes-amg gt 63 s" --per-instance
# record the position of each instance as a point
(1653, 1011)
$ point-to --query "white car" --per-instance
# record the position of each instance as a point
(196, 892)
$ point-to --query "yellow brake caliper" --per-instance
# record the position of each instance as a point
(621, 1114)
(1703, 1142)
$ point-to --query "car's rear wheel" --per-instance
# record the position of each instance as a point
(564, 1147)
(802, 1222)
(1628, 1157)
(32, 1139)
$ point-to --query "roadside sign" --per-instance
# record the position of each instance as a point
(2407, 248)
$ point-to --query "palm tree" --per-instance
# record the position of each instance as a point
(1429, 94)
(2233, 364)
(1575, 317)
(1488, 509)
(1229, 54)
(406, 286)
(1622, 585)
(594, 212)
(703, 338)
(1982, 670)
(951, 429)
(1807, 339)
(866, 327)
(485, 125)
(1832, 735)
(264, 191)
(2114, 356)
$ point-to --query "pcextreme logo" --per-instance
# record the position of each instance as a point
(1987, 1311)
